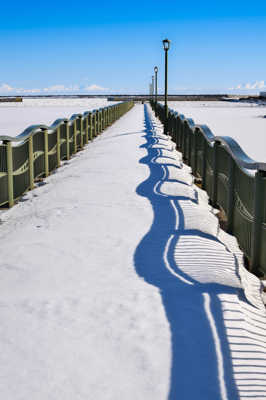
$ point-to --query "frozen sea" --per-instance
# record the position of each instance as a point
(245, 122)
(16, 117)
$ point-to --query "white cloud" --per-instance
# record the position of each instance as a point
(58, 88)
(250, 86)
(28, 90)
(61, 88)
(5, 88)
(94, 88)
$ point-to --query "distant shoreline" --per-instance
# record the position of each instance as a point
(141, 97)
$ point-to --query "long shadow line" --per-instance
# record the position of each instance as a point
(195, 372)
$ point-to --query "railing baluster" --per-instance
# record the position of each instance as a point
(31, 163)
(46, 154)
(257, 223)
(10, 180)
(58, 146)
(231, 197)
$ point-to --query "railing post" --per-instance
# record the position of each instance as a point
(67, 139)
(97, 123)
(176, 130)
(58, 146)
(100, 121)
(90, 126)
(188, 147)
(87, 129)
(257, 222)
(172, 126)
(195, 144)
(94, 124)
(75, 135)
(105, 118)
(10, 182)
(231, 197)
(46, 155)
(81, 130)
(31, 165)
(101, 118)
(183, 137)
(215, 173)
(204, 164)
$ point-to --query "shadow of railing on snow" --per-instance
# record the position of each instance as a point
(201, 362)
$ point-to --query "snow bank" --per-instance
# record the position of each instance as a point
(15, 117)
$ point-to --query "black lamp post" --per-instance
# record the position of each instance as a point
(166, 46)
(156, 85)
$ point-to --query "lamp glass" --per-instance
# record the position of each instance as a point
(166, 44)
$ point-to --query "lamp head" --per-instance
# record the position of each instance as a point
(156, 69)
(166, 44)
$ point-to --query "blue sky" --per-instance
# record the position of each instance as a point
(112, 46)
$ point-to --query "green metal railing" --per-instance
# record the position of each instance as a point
(40, 149)
(234, 182)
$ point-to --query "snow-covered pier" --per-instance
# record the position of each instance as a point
(117, 282)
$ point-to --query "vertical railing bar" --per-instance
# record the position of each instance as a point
(231, 196)
(257, 222)
(10, 180)
(31, 162)
(58, 146)
(67, 139)
(87, 129)
(46, 154)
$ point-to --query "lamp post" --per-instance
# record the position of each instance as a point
(152, 85)
(156, 85)
(166, 46)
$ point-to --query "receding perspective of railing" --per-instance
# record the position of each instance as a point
(234, 182)
(40, 148)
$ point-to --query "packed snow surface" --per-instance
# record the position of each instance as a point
(117, 282)
(16, 117)
(244, 122)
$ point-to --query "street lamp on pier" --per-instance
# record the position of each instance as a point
(166, 46)
(156, 84)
